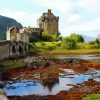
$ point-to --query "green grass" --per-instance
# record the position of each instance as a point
(9, 64)
(47, 45)
(92, 97)
(78, 51)
(56, 48)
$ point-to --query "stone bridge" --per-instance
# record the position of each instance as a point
(13, 49)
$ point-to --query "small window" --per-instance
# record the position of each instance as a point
(50, 27)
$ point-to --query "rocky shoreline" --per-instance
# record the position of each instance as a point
(41, 62)
(3, 95)
(52, 66)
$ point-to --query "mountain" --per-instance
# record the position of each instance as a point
(7, 22)
(88, 38)
(98, 36)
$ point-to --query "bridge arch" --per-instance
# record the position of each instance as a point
(13, 49)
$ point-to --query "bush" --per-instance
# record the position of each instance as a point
(50, 37)
(77, 38)
(68, 44)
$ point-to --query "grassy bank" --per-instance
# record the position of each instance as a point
(61, 51)
(9, 64)
(52, 48)
(48, 48)
(92, 97)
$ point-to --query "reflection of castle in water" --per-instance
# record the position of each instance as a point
(49, 80)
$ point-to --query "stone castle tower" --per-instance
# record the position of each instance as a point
(49, 22)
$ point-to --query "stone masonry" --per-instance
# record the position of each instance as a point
(49, 22)
(12, 49)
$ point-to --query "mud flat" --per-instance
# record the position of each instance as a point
(53, 79)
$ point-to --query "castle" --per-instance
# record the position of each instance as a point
(17, 40)
(48, 22)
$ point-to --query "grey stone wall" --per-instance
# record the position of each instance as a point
(13, 49)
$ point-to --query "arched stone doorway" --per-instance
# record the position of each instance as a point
(25, 49)
(20, 50)
(13, 49)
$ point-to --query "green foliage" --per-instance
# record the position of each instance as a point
(91, 42)
(84, 46)
(95, 44)
(68, 43)
(50, 37)
(32, 47)
(48, 45)
(8, 64)
(77, 38)
(92, 97)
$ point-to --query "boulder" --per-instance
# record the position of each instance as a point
(3, 95)
(1, 84)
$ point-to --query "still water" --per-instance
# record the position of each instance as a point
(88, 57)
(52, 84)
(63, 81)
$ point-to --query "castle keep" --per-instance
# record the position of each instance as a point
(49, 22)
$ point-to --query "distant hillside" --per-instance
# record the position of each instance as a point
(88, 38)
(98, 36)
(4, 23)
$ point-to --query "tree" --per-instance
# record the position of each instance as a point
(68, 43)
(76, 37)
(97, 43)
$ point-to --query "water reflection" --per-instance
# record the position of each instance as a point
(48, 84)
(49, 81)
(88, 57)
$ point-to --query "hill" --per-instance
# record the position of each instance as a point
(4, 23)
(88, 38)
(98, 36)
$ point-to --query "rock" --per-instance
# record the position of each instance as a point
(0, 76)
(1, 84)
(43, 61)
(3, 95)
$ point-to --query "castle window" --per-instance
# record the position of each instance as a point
(50, 27)
(13, 49)
(20, 50)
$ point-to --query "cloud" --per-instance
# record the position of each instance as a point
(23, 17)
(60, 5)
(90, 6)
(92, 26)
(74, 18)
(81, 16)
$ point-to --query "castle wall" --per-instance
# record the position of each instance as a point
(13, 49)
(8, 35)
(4, 51)
(12, 33)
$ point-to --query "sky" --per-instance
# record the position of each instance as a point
(75, 16)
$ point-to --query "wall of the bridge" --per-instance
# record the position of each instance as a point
(13, 49)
